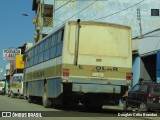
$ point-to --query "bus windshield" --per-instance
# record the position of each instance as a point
(17, 78)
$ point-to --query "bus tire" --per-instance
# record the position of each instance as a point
(12, 95)
(45, 100)
(24, 97)
(30, 100)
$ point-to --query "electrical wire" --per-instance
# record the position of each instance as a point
(120, 10)
(99, 10)
(67, 11)
(63, 5)
(76, 13)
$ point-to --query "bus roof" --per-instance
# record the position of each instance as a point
(83, 22)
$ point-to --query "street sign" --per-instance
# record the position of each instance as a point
(10, 54)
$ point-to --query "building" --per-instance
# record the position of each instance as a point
(17, 64)
(44, 18)
(146, 57)
(51, 14)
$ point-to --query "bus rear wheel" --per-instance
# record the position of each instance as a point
(30, 100)
(45, 100)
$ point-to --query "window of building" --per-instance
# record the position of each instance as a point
(154, 12)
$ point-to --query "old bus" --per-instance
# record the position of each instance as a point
(80, 62)
(16, 86)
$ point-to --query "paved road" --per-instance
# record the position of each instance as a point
(74, 112)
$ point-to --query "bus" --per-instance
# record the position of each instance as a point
(81, 62)
(16, 86)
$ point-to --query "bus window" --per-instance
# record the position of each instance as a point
(54, 40)
(59, 49)
(41, 57)
(59, 36)
(36, 50)
(41, 47)
(53, 52)
(17, 79)
(47, 44)
(35, 61)
(31, 62)
(46, 54)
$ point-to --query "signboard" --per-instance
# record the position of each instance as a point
(10, 54)
(19, 62)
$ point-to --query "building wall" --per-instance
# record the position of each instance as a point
(151, 43)
(114, 11)
(136, 69)
(108, 11)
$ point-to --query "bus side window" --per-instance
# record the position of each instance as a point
(53, 40)
(47, 49)
(53, 52)
(60, 44)
(31, 57)
(59, 49)
(41, 51)
(60, 34)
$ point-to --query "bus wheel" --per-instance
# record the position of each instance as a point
(30, 100)
(19, 95)
(12, 94)
(45, 100)
(25, 97)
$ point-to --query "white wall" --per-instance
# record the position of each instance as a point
(149, 44)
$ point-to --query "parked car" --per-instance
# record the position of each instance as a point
(144, 96)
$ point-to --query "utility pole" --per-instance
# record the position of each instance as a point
(139, 21)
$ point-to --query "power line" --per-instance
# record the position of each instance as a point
(76, 13)
(99, 10)
(82, 10)
(120, 10)
(63, 5)
(66, 11)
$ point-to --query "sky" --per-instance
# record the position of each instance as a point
(15, 29)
